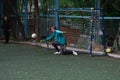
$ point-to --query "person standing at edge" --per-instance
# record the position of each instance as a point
(6, 25)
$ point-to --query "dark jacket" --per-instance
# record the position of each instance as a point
(6, 25)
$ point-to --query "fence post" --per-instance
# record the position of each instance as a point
(57, 14)
(25, 17)
(1, 14)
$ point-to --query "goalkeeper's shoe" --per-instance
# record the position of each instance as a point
(56, 52)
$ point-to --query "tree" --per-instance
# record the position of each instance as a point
(20, 24)
(36, 16)
(111, 7)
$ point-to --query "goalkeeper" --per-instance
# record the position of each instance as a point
(59, 39)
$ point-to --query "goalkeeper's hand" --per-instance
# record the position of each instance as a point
(43, 41)
(64, 32)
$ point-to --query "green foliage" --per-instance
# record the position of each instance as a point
(66, 3)
(111, 7)
(119, 48)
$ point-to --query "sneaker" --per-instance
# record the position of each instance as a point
(75, 53)
(57, 53)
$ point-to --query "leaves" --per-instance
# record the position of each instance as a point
(111, 7)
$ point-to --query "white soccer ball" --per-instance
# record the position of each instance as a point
(34, 35)
(108, 50)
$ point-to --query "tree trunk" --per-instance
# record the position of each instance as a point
(20, 25)
(36, 15)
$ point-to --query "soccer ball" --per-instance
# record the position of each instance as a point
(34, 35)
(108, 50)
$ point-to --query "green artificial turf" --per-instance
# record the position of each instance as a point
(23, 62)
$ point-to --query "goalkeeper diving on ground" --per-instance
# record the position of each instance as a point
(59, 39)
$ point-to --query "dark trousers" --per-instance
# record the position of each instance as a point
(62, 48)
(6, 36)
(56, 44)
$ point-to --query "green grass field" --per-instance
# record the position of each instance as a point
(23, 62)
